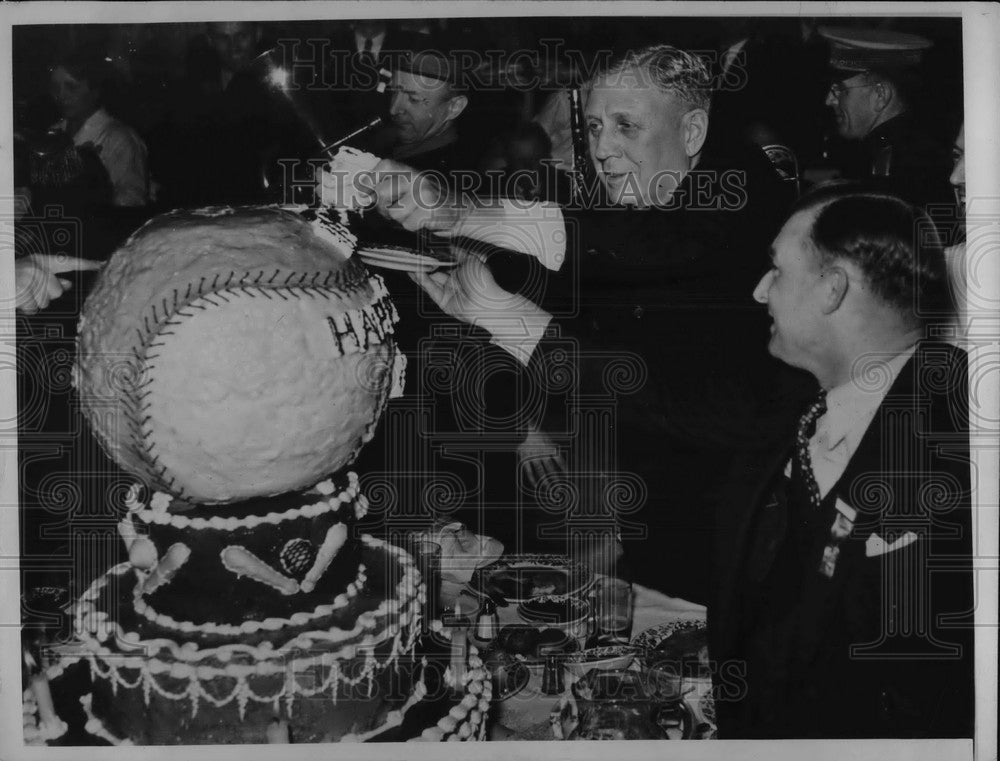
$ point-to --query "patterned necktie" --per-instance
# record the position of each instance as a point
(807, 427)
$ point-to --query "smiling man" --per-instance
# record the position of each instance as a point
(844, 552)
(646, 120)
(650, 309)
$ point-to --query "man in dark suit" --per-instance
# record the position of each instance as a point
(843, 603)
(650, 315)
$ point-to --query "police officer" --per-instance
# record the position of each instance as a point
(873, 82)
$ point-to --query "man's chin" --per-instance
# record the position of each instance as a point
(406, 136)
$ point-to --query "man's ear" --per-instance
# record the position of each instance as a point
(834, 287)
(456, 105)
(694, 130)
(883, 94)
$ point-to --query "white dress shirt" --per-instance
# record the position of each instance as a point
(377, 40)
(123, 154)
(850, 409)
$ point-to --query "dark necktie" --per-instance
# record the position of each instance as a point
(807, 427)
(367, 55)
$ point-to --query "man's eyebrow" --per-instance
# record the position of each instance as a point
(614, 114)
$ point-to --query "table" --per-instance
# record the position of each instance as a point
(525, 715)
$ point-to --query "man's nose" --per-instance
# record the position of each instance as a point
(957, 177)
(831, 99)
(605, 146)
(396, 104)
(760, 292)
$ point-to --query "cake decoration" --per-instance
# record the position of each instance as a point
(297, 556)
(343, 178)
(242, 562)
(165, 569)
(250, 358)
(142, 553)
(334, 540)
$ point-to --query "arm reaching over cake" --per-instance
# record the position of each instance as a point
(420, 201)
(469, 293)
(37, 281)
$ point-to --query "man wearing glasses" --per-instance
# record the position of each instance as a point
(874, 81)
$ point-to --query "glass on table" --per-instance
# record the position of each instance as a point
(427, 556)
(613, 606)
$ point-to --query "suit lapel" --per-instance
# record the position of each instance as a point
(724, 614)
(872, 470)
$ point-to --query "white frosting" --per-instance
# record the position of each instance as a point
(96, 727)
(391, 613)
(242, 562)
(126, 530)
(165, 569)
(142, 553)
(217, 523)
(302, 618)
(334, 232)
(334, 541)
(339, 186)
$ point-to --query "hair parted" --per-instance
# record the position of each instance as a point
(895, 244)
(671, 70)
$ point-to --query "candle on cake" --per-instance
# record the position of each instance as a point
(459, 645)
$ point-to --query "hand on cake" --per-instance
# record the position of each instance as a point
(416, 200)
(36, 279)
(470, 293)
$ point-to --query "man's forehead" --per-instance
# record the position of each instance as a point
(794, 242)
(626, 95)
(418, 83)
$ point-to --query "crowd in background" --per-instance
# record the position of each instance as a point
(673, 382)
(189, 122)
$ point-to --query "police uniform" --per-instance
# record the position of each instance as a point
(898, 154)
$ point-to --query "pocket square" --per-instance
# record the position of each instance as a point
(876, 545)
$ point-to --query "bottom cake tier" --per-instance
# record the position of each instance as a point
(381, 679)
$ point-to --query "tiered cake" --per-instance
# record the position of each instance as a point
(232, 359)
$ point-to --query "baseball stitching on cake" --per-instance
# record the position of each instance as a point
(199, 297)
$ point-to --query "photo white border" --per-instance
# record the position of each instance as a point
(981, 44)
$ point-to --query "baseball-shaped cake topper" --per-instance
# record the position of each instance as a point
(231, 353)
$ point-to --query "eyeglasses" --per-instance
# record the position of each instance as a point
(838, 90)
(413, 99)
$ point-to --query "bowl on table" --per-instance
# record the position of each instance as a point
(618, 705)
(604, 658)
(531, 644)
(568, 614)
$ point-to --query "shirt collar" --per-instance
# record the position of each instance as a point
(444, 138)
(851, 406)
(359, 42)
(92, 127)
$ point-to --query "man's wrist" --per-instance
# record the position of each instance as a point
(517, 327)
